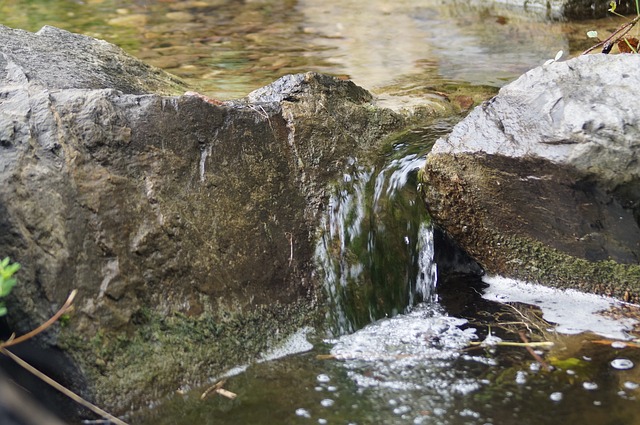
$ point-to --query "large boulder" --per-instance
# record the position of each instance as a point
(542, 182)
(186, 224)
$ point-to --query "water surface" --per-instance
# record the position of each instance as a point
(227, 48)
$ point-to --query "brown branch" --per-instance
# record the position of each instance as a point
(533, 353)
(614, 37)
(42, 327)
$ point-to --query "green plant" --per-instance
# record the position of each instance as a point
(618, 37)
(7, 281)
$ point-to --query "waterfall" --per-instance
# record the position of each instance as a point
(376, 244)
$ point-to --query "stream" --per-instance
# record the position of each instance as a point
(404, 341)
(398, 348)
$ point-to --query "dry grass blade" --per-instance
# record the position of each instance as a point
(64, 390)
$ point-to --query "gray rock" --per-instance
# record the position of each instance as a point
(543, 180)
(187, 227)
(80, 62)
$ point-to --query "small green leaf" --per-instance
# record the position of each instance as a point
(6, 286)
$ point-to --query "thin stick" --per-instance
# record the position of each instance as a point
(614, 37)
(289, 236)
(533, 353)
(45, 325)
(516, 344)
(217, 388)
(75, 397)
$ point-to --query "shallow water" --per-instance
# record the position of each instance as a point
(227, 48)
(383, 358)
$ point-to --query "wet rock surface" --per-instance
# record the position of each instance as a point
(186, 226)
(542, 181)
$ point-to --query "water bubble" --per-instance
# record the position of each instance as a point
(327, 402)
(438, 411)
(322, 421)
(597, 403)
(331, 388)
(590, 386)
(323, 378)
(618, 344)
(470, 413)
(557, 396)
(631, 385)
(401, 410)
(521, 377)
(571, 372)
(621, 364)
(303, 413)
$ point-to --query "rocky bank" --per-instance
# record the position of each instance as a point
(187, 225)
(542, 182)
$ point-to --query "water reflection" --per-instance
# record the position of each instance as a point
(227, 48)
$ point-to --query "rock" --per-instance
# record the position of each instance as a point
(542, 182)
(81, 63)
(187, 226)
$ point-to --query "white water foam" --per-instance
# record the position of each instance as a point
(294, 344)
(573, 311)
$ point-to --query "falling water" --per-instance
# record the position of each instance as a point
(376, 249)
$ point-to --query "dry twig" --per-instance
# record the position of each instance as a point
(64, 390)
(217, 388)
(533, 353)
(616, 36)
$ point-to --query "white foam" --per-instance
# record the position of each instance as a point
(573, 311)
(296, 343)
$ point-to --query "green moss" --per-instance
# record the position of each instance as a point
(531, 260)
(164, 353)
